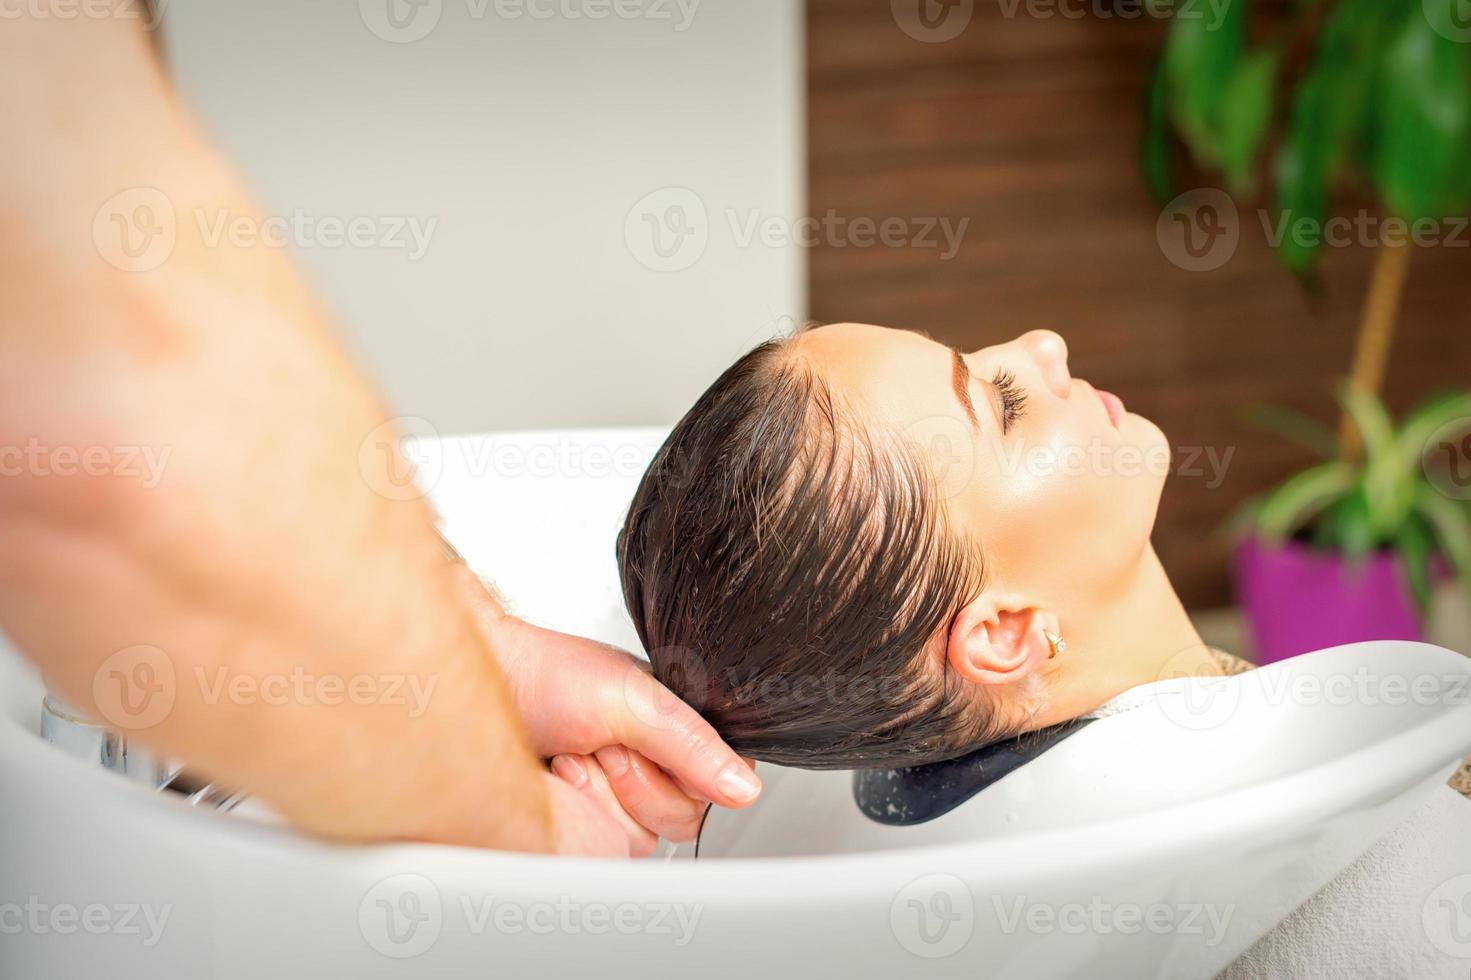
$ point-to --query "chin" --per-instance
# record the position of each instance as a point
(1144, 433)
(1151, 440)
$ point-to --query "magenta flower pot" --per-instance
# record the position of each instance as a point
(1298, 599)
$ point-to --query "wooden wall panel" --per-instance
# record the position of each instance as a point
(1028, 127)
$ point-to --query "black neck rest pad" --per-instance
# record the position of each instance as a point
(915, 794)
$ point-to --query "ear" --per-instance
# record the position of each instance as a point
(998, 639)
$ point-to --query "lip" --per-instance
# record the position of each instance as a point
(1112, 404)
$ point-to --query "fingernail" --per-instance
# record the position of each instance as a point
(613, 759)
(570, 770)
(738, 783)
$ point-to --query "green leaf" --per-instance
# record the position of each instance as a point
(1301, 429)
(1329, 118)
(1201, 54)
(1154, 144)
(1371, 419)
(1357, 535)
(1246, 112)
(1415, 546)
(1387, 483)
(1302, 497)
(1327, 529)
(1426, 421)
(1423, 117)
(1451, 528)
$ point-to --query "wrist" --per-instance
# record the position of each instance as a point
(505, 634)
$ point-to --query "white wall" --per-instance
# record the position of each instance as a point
(529, 140)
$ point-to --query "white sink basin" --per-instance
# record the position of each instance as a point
(1161, 842)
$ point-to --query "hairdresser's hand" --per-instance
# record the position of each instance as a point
(612, 731)
(269, 541)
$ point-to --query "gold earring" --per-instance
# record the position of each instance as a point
(1056, 642)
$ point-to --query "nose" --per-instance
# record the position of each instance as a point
(1049, 350)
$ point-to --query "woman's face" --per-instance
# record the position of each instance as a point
(1053, 478)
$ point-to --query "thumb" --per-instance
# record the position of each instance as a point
(674, 736)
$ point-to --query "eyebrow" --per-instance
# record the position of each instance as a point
(960, 380)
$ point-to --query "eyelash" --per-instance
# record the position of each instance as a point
(1013, 399)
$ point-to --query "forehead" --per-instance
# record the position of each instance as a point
(881, 366)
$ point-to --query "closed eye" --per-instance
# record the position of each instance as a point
(1011, 398)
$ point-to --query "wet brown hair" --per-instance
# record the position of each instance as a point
(788, 569)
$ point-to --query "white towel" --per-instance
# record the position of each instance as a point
(1402, 910)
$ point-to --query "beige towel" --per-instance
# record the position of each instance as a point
(1403, 910)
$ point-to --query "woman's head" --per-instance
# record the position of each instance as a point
(848, 551)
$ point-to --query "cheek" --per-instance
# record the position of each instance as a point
(1076, 507)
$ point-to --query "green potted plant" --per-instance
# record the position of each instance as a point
(1349, 549)
(1293, 102)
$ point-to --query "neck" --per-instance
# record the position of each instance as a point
(1139, 634)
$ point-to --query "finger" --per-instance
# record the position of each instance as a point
(650, 796)
(674, 736)
(593, 784)
(581, 826)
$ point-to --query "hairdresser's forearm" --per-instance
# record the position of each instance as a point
(359, 712)
(319, 653)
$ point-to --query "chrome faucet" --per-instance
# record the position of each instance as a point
(79, 736)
